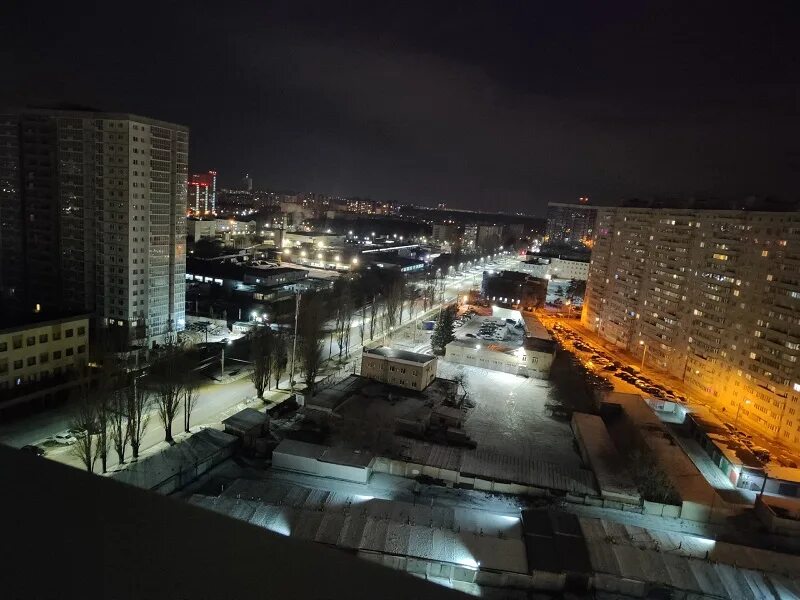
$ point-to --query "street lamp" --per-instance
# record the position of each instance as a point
(736, 420)
(644, 354)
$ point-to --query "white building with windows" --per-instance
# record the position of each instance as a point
(555, 268)
(39, 351)
(519, 345)
(709, 296)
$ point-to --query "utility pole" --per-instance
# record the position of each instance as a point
(222, 362)
(294, 339)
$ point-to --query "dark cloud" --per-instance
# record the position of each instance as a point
(481, 105)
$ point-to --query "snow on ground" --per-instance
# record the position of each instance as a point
(510, 414)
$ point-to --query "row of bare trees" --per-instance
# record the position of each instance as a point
(114, 408)
(269, 353)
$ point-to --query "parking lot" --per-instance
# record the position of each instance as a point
(473, 326)
(605, 365)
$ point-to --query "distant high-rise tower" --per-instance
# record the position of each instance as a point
(93, 211)
(570, 223)
(247, 182)
(202, 193)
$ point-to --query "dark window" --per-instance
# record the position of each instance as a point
(81, 330)
(69, 332)
(43, 338)
(56, 335)
(56, 354)
(70, 351)
(81, 349)
(3, 346)
(31, 361)
(44, 357)
(17, 364)
(17, 342)
(30, 341)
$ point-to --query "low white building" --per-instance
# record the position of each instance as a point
(210, 228)
(530, 354)
(410, 370)
(323, 461)
(556, 268)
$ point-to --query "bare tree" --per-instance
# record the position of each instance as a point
(120, 432)
(138, 402)
(362, 324)
(394, 302)
(310, 332)
(262, 348)
(344, 313)
(169, 379)
(190, 397)
(374, 311)
(85, 449)
(280, 358)
(103, 420)
(413, 296)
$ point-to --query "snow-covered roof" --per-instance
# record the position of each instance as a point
(150, 471)
(608, 466)
(466, 537)
(245, 420)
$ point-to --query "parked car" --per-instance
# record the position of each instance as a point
(65, 437)
(470, 335)
(31, 449)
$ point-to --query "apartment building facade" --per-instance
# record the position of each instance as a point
(711, 297)
(99, 201)
(40, 351)
(570, 223)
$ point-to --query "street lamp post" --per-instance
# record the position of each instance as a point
(736, 420)
(294, 340)
(644, 354)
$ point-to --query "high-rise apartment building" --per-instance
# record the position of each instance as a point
(570, 223)
(202, 193)
(94, 217)
(711, 297)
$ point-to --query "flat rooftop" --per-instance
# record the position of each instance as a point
(20, 322)
(507, 336)
(246, 419)
(387, 352)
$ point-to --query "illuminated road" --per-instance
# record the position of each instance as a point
(659, 378)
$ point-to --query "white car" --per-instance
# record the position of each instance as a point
(65, 437)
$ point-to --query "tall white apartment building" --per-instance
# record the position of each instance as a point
(713, 298)
(101, 201)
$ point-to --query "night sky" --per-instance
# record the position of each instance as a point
(497, 105)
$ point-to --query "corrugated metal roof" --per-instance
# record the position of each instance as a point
(461, 536)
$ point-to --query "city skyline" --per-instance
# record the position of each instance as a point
(463, 105)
